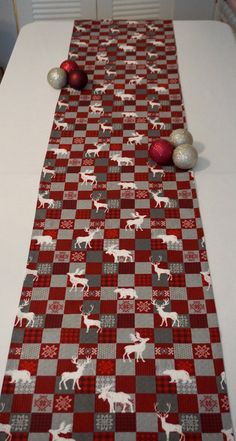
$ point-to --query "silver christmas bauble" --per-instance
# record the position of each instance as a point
(57, 77)
(180, 136)
(185, 156)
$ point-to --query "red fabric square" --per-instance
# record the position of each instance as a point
(211, 423)
(198, 320)
(83, 422)
(187, 403)
(61, 268)
(41, 422)
(22, 403)
(206, 385)
(125, 320)
(125, 383)
(45, 384)
(125, 422)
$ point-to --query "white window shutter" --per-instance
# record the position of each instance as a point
(32, 10)
(135, 9)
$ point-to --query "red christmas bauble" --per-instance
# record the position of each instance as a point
(77, 79)
(161, 151)
(69, 65)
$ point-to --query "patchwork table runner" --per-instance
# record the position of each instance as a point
(116, 335)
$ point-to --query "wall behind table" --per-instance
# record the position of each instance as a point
(8, 32)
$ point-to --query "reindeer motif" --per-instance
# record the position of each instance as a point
(160, 199)
(95, 152)
(102, 89)
(156, 171)
(60, 153)
(124, 96)
(86, 239)
(43, 201)
(32, 272)
(153, 103)
(20, 316)
(76, 279)
(124, 254)
(114, 30)
(166, 315)
(126, 48)
(137, 221)
(153, 28)
(136, 80)
(60, 125)
(80, 28)
(5, 428)
(168, 427)
(136, 348)
(99, 205)
(64, 429)
(41, 240)
(75, 375)
(160, 271)
(135, 138)
(168, 238)
(97, 109)
(62, 103)
(105, 128)
(151, 54)
(126, 293)
(121, 160)
(87, 177)
(115, 397)
(49, 172)
(203, 242)
(19, 376)
(108, 42)
(102, 57)
(207, 277)
(109, 72)
(228, 434)
(137, 36)
(127, 185)
(153, 69)
(90, 322)
(155, 123)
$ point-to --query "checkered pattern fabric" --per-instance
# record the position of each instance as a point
(116, 335)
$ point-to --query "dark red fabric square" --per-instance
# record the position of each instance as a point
(22, 403)
(211, 423)
(83, 422)
(125, 422)
(40, 422)
(206, 385)
(45, 384)
(198, 320)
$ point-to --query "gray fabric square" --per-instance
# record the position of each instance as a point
(47, 367)
(200, 335)
(183, 351)
(163, 335)
(146, 422)
(84, 403)
(51, 336)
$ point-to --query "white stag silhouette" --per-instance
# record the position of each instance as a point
(136, 222)
(90, 322)
(160, 199)
(95, 152)
(43, 201)
(77, 279)
(135, 138)
(49, 172)
(166, 315)
(161, 271)
(75, 375)
(156, 171)
(87, 177)
(97, 109)
(86, 239)
(168, 427)
(28, 316)
(228, 434)
(137, 348)
(99, 205)
(207, 277)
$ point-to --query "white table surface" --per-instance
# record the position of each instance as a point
(207, 63)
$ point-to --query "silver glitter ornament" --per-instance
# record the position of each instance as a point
(185, 156)
(180, 136)
(57, 77)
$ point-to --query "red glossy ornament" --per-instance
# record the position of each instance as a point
(77, 79)
(69, 65)
(161, 151)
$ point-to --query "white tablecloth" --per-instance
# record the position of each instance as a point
(207, 63)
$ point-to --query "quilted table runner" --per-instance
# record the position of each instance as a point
(116, 335)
